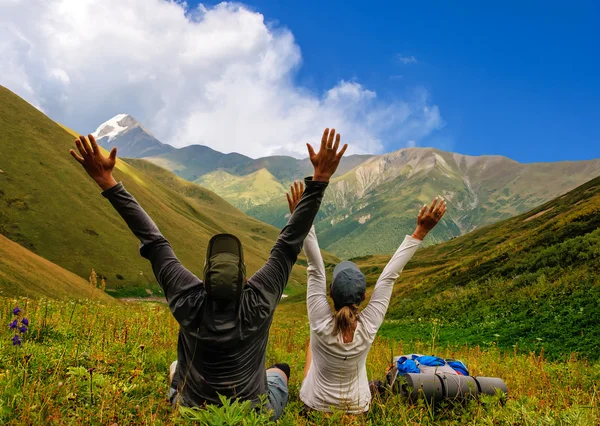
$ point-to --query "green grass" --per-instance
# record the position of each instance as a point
(25, 273)
(50, 206)
(130, 346)
(244, 192)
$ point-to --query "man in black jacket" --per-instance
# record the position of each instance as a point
(224, 322)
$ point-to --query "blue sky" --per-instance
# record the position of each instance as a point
(519, 79)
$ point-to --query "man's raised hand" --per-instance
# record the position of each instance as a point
(296, 191)
(95, 164)
(326, 161)
(428, 217)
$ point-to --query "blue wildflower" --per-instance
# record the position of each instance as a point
(22, 329)
(16, 340)
(13, 325)
(25, 321)
(16, 311)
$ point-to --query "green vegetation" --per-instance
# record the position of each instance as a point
(25, 273)
(193, 161)
(88, 363)
(531, 283)
(51, 207)
(246, 191)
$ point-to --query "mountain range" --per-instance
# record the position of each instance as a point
(374, 198)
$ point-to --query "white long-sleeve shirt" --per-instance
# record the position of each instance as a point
(338, 376)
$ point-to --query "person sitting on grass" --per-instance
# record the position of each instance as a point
(225, 320)
(335, 374)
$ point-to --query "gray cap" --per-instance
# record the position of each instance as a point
(349, 285)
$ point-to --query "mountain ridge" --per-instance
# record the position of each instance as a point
(129, 136)
(371, 196)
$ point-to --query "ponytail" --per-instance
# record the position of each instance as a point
(345, 320)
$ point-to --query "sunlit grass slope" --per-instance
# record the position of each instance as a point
(50, 206)
(25, 273)
(531, 282)
(246, 191)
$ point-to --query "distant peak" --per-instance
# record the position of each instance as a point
(115, 126)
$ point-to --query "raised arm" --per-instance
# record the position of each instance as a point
(272, 278)
(373, 315)
(316, 291)
(183, 290)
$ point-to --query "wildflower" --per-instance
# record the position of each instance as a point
(13, 325)
(25, 322)
(16, 311)
(16, 340)
(23, 329)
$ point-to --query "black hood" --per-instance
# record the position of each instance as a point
(224, 272)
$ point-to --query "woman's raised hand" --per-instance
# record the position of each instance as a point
(428, 217)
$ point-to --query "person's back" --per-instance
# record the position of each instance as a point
(227, 357)
(337, 376)
(230, 363)
(225, 320)
(340, 341)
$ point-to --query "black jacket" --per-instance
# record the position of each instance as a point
(220, 352)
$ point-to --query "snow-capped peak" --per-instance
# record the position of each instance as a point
(115, 126)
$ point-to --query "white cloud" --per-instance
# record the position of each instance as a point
(407, 59)
(219, 76)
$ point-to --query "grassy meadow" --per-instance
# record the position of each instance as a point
(86, 362)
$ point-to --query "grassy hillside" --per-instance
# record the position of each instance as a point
(186, 188)
(194, 161)
(531, 282)
(23, 273)
(51, 207)
(246, 191)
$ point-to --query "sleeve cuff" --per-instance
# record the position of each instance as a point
(310, 183)
(110, 191)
